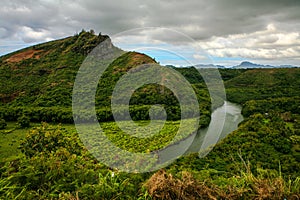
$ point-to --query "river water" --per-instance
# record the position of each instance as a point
(224, 120)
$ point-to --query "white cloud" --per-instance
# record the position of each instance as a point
(271, 43)
(29, 35)
(199, 57)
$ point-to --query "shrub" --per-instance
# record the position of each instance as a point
(23, 121)
(2, 124)
(49, 139)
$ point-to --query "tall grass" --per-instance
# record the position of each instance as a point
(267, 184)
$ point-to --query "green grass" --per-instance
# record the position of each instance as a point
(139, 139)
(10, 140)
(12, 136)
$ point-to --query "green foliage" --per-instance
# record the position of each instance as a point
(46, 78)
(23, 121)
(260, 84)
(282, 105)
(38, 114)
(3, 124)
(104, 114)
(228, 74)
(55, 72)
(262, 140)
(191, 74)
(11, 138)
(49, 139)
(56, 166)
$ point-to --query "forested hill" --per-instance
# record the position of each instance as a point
(261, 84)
(38, 82)
(43, 75)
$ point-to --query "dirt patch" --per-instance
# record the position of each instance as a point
(24, 55)
(139, 59)
(6, 98)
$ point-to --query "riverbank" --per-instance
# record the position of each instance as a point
(224, 120)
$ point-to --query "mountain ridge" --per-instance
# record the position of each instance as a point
(245, 65)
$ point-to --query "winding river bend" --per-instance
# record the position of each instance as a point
(224, 120)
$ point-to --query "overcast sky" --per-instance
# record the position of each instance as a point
(229, 31)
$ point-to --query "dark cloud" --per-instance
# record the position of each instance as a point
(39, 20)
(200, 19)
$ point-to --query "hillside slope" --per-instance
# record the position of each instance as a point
(38, 81)
(258, 84)
(43, 75)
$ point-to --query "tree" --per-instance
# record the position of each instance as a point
(92, 31)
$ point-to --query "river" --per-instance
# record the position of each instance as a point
(224, 120)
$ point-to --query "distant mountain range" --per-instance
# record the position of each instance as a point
(245, 65)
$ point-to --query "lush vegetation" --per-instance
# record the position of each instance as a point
(261, 163)
(2, 123)
(260, 160)
(44, 93)
(43, 75)
(262, 84)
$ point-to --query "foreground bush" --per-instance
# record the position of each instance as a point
(56, 166)
(247, 186)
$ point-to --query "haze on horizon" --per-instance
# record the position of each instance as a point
(229, 31)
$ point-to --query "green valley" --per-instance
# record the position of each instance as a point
(42, 156)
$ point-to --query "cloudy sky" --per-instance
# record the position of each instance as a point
(227, 31)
